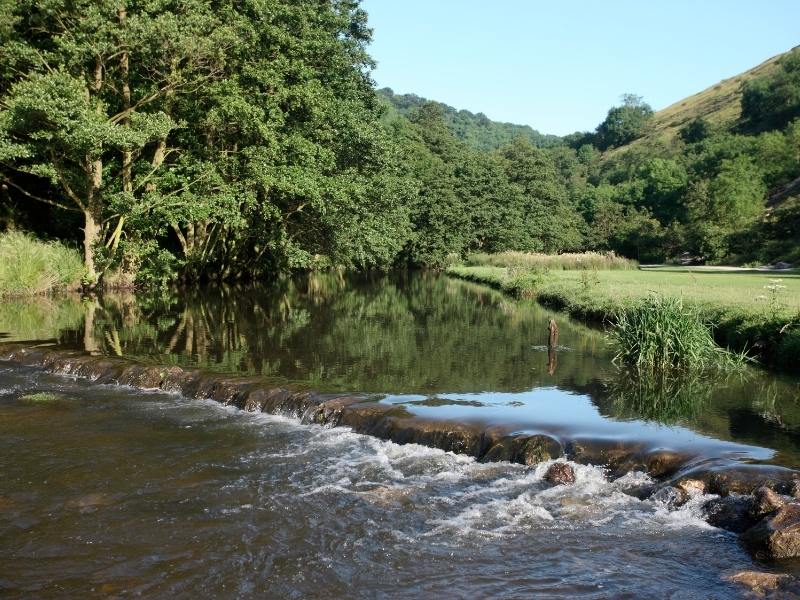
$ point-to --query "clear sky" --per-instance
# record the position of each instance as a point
(559, 65)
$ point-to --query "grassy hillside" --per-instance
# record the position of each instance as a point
(719, 105)
(476, 129)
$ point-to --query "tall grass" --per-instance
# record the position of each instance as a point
(567, 262)
(659, 334)
(30, 266)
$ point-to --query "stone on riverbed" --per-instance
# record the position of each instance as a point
(560, 473)
(691, 486)
(762, 583)
(777, 535)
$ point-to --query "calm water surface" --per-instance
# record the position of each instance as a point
(111, 492)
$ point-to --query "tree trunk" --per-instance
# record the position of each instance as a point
(91, 233)
(92, 220)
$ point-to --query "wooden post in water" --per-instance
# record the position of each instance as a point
(552, 341)
(552, 345)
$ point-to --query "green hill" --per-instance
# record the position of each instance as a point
(719, 105)
(476, 129)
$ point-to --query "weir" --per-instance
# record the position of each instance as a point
(718, 470)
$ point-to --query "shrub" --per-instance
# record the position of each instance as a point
(659, 334)
(31, 266)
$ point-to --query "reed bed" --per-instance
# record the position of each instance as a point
(660, 334)
(29, 266)
(566, 262)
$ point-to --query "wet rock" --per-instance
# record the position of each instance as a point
(777, 535)
(765, 501)
(731, 512)
(671, 496)
(560, 473)
(762, 583)
(90, 502)
(641, 492)
(794, 488)
(691, 486)
(664, 463)
(745, 479)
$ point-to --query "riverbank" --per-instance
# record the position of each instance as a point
(751, 311)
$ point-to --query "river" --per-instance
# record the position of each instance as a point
(107, 491)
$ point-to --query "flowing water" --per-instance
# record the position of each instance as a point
(111, 492)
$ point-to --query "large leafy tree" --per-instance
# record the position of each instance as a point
(624, 123)
(238, 136)
(84, 83)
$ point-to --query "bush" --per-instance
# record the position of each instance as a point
(659, 334)
(30, 266)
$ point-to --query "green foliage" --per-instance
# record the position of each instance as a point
(771, 101)
(624, 123)
(242, 140)
(30, 266)
(661, 333)
(729, 202)
(695, 131)
(476, 130)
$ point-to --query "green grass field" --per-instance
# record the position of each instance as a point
(748, 291)
(750, 310)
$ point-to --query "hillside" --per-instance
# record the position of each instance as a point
(719, 105)
(476, 129)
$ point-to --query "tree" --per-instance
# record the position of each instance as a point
(82, 101)
(231, 139)
(547, 220)
(695, 131)
(624, 123)
(720, 207)
(772, 100)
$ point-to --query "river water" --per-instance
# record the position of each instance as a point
(111, 492)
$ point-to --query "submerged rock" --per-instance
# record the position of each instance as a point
(762, 583)
(560, 473)
(691, 486)
(777, 535)
(731, 512)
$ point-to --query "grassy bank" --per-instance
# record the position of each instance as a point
(29, 266)
(751, 311)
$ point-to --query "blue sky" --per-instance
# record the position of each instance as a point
(559, 65)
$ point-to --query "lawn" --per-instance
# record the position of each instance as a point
(746, 290)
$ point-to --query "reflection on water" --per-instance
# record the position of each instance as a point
(452, 345)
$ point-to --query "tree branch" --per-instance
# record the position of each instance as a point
(40, 199)
(73, 196)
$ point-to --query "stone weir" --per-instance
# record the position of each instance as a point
(761, 502)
